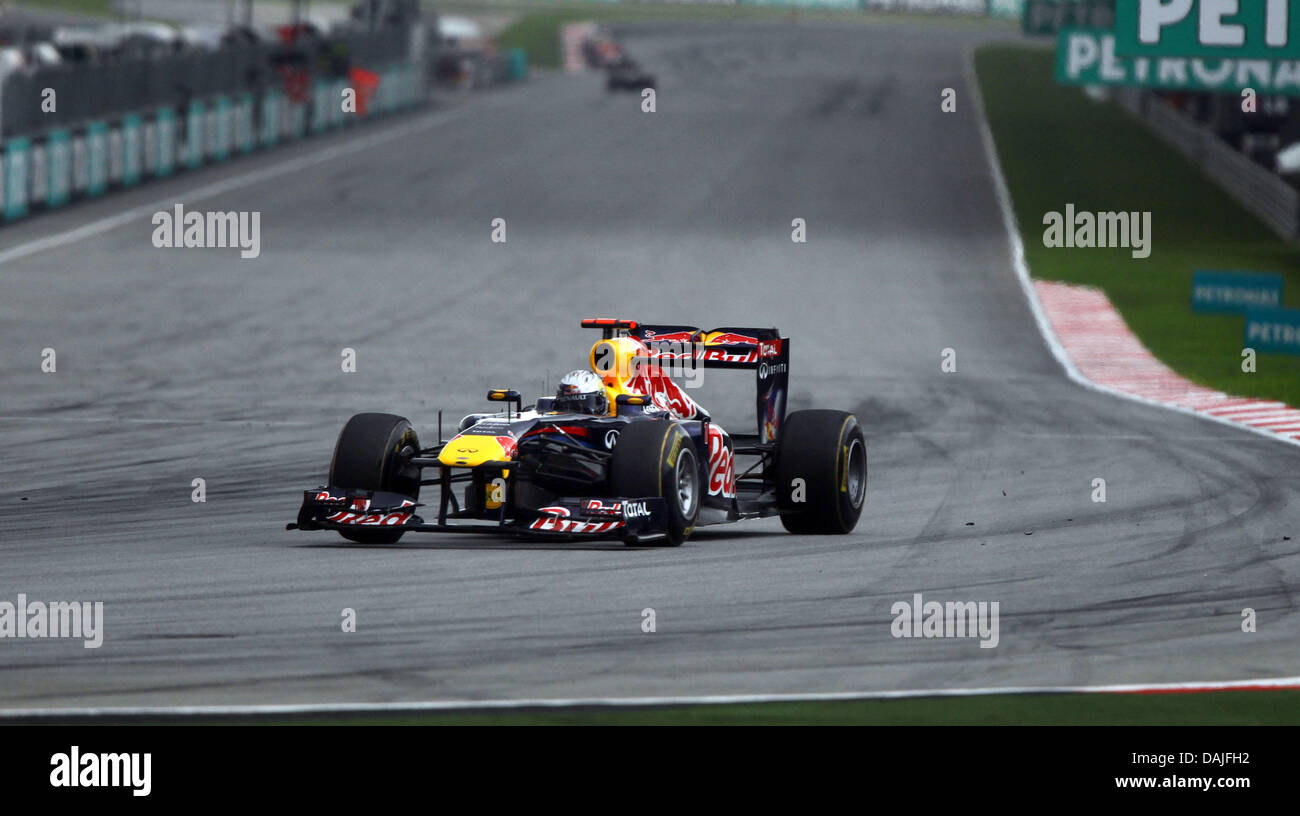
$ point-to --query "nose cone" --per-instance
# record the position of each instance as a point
(469, 450)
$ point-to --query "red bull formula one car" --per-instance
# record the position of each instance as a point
(620, 452)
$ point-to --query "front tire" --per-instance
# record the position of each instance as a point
(821, 472)
(657, 458)
(373, 452)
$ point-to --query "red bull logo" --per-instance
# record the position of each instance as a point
(722, 470)
(508, 445)
(729, 339)
(714, 355)
(599, 508)
(669, 337)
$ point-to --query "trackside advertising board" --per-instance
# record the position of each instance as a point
(1088, 57)
(1273, 330)
(1216, 29)
(993, 8)
(1048, 17)
(974, 7)
(1234, 292)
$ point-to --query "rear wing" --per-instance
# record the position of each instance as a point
(762, 350)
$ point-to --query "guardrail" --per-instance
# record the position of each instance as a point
(1257, 189)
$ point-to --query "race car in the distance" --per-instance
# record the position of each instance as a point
(621, 451)
(626, 74)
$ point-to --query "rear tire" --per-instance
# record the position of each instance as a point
(373, 453)
(657, 458)
(826, 450)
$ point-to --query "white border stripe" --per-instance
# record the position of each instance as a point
(1277, 683)
(265, 173)
(1044, 327)
(1027, 287)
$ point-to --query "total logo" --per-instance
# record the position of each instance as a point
(635, 509)
(766, 370)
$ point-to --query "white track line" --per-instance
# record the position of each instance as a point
(320, 156)
(250, 178)
(1106, 351)
(250, 423)
(1035, 307)
(1044, 327)
(1109, 354)
(1203, 401)
(1278, 683)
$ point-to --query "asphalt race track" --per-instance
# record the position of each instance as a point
(177, 364)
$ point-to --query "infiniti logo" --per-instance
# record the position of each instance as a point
(765, 370)
(611, 439)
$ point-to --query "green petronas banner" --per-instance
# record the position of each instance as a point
(1048, 17)
(1090, 57)
(1210, 29)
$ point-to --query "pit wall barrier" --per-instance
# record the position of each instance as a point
(98, 156)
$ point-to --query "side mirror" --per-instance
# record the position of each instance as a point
(507, 395)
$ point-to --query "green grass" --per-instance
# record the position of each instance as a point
(92, 8)
(1202, 708)
(537, 28)
(1057, 146)
(538, 34)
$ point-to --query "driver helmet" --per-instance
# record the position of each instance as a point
(581, 392)
(615, 361)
